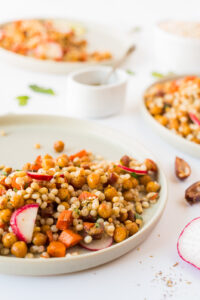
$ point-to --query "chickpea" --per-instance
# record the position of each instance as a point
(185, 129)
(59, 146)
(63, 194)
(127, 184)
(135, 182)
(110, 192)
(17, 201)
(105, 210)
(123, 216)
(78, 181)
(5, 215)
(132, 228)
(19, 249)
(129, 196)
(145, 179)
(45, 228)
(120, 234)
(173, 124)
(62, 161)
(138, 208)
(156, 110)
(162, 119)
(93, 180)
(152, 186)
(9, 239)
(66, 205)
(48, 163)
(3, 202)
(39, 239)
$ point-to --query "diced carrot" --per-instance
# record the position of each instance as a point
(173, 87)
(87, 225)
(190, 78)
(85, 195)
(69, 238)
(15, 185)
(37, 164)
(2, 192)
(56, 249)
(49, 235)
(64, 220)
(79, 154)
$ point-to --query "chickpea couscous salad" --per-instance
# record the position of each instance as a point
(81, 200)
(175, 104)
(49, 40)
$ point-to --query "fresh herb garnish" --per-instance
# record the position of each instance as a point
(77, 210)
(26, 185)
(137, 216)
(4, 173)
(161, 75)
(130, 72)
(134, 175)
(22, 100)
(97, 225)
(15, 190)
(39, 89)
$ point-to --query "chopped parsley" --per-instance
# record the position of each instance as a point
(130, 72)
(137, 216)
(15, 190)
(97, 225)
(4, 173)
(134, 175)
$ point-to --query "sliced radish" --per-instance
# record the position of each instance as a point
(96, 245)
(188, 245)
(194, 119)
(49, 50)
(38, 176)
(23, 220)
(43, 177)
(132, 170)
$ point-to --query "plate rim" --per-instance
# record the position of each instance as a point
(111, 132)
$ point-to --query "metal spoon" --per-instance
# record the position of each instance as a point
(118, 63)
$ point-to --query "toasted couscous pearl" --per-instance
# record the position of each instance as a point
(5, 251)
(84, 212)
(29, 255)
(43, 190)
(42, 221)
(56, 215)
(70, 188)
(20, 180)
(64, 185)
(145, 204)
(49, 221)
(79, 227)
(60, 208)
(88, 239)
(43, 205)
(8, 180)
(27, 196)
(44, 197)
(35, 186)
(29, 190)
(93, 213)
(54, 228)
(57, 200)
(51, 196)
(55, 236)
(54, 191)
(39, 201)
(35, 196)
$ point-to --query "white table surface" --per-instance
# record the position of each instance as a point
(132, 276)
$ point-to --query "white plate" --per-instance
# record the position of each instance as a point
(99, 37)
(171, 137)
(17, 147)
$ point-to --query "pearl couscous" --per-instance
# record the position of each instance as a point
(76, 200)
(175, 104)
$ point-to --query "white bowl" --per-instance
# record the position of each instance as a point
(175, 52)
(25, 130)
(99, 37)
(174, 139)
(87, 99)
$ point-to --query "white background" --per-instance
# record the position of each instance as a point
(132, 276)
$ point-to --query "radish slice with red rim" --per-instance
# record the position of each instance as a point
(138, 172)
(188, 245)
(22, 222)
(96, 245)
(43, 177)
(194, 119)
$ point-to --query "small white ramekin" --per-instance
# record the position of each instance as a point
(84, 99)
(176, 53)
